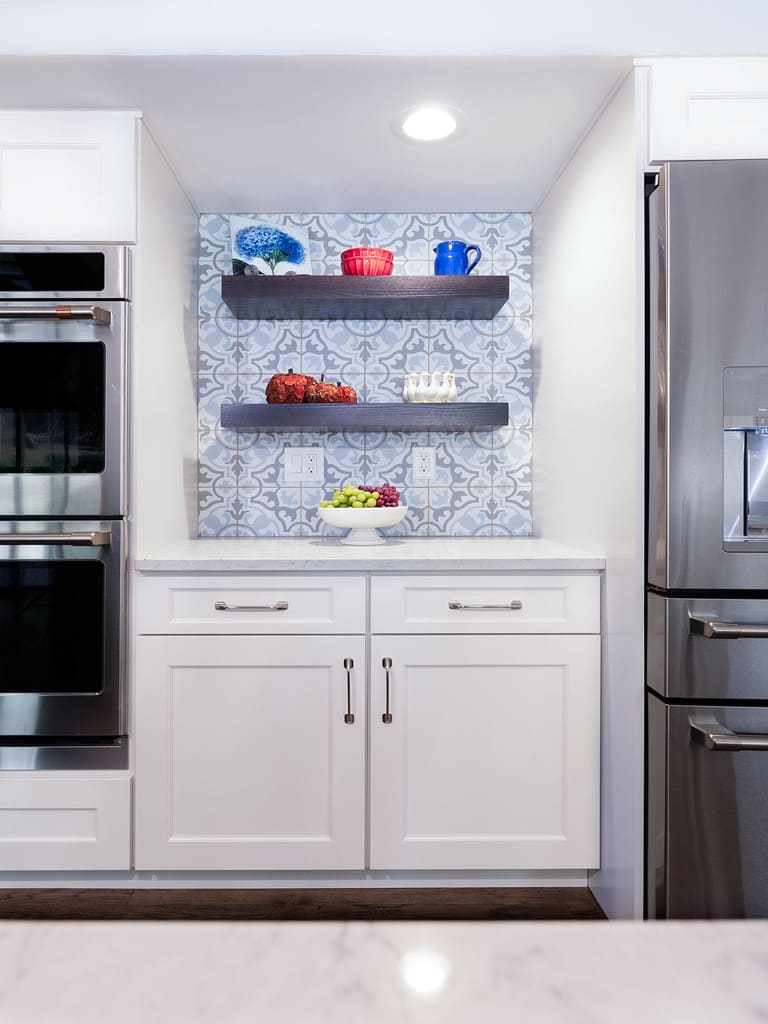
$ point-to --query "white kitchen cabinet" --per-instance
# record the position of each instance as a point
(708, 109)
(65, 821)
(245, 755)
(68, 176)
(246, 758)
(490, 759)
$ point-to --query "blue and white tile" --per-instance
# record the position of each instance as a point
(214, 237)
(406, 235)
(218, 350)
(311, 523)
(511, 514)
(344, 460)
(329, 235)
(520, 302)
(460, 513)
(218, 516)
(261, 457)
(382, 387)
(512, 457)
(512, 341)
(516, 388)
(460, 461)
(415, 523)
(209, 303)
(389, 456)
(507, 236)
(217, 448)
(456, 345)
(335, 348)
(269, 346)
(269, 511)
(396, 346)
(475, 385)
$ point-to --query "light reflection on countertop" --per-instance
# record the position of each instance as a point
(534, 973)
(303, 554)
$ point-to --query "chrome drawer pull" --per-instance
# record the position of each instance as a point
(278, 606)
(95, 538)
(513, 606)
(715, 629)
(386, 664)
(349, 718)
(102, 316)
(724, 739)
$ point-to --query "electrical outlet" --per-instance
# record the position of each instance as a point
(303, 465)
(422, 464)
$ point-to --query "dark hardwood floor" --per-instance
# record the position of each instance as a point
(468, 904)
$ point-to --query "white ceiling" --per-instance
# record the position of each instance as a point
(437, 27)
(313, 134)
(285, 105)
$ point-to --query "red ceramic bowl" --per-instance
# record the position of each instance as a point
(366, 260)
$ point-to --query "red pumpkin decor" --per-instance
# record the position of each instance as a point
(346, 394)
(321, 391)
(288, 387)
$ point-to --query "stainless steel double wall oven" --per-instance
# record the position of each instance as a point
(707, 594)
(64, 319)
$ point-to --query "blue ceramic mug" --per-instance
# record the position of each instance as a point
(453, 257)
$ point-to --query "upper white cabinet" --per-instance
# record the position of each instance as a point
(67, 176)
(708, 109)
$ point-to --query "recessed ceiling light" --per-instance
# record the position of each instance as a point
(429, 122)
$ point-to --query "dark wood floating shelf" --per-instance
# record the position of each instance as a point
(376, 416)
(339, 297)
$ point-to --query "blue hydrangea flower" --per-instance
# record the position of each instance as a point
(270, 245)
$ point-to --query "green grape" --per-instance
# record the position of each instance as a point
(357, 504)
(325, 504)
(371, 503)
(335, 503)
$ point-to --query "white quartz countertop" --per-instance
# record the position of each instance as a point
(480, 554)
(532, 973)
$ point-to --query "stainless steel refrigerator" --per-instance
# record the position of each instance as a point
(707, 541)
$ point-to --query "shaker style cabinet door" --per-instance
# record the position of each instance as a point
(246, 754)
(491, 756)
(67, 176)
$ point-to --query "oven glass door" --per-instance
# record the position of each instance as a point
(60, 613)
(62, 413)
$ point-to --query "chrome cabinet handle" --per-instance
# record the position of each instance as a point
(513, 606)
(278, 606)
(716, 629)
(386, 664)
(95, 538)
(349, 664)
(102, 316)
(724, 739)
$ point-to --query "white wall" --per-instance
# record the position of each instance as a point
(588, 442)
(164, 359)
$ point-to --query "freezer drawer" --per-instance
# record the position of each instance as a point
(701, 649)
(707, 821)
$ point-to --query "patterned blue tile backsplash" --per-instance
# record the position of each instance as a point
(482, 482)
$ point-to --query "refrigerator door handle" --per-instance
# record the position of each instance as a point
(715, 736)
(716, 629)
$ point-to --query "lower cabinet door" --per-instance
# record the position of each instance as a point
(244, 759)
(491, 757)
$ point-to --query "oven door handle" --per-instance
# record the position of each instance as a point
(94, 538)
(715, 736)
(102, 316)
(715, 629)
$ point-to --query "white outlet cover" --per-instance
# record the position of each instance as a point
(303, 465)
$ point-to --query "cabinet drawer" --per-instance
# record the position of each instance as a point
(57, 821)
(485, 604)
(269, 605)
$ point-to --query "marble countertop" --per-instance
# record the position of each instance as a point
(532, 973)
(474, 554)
